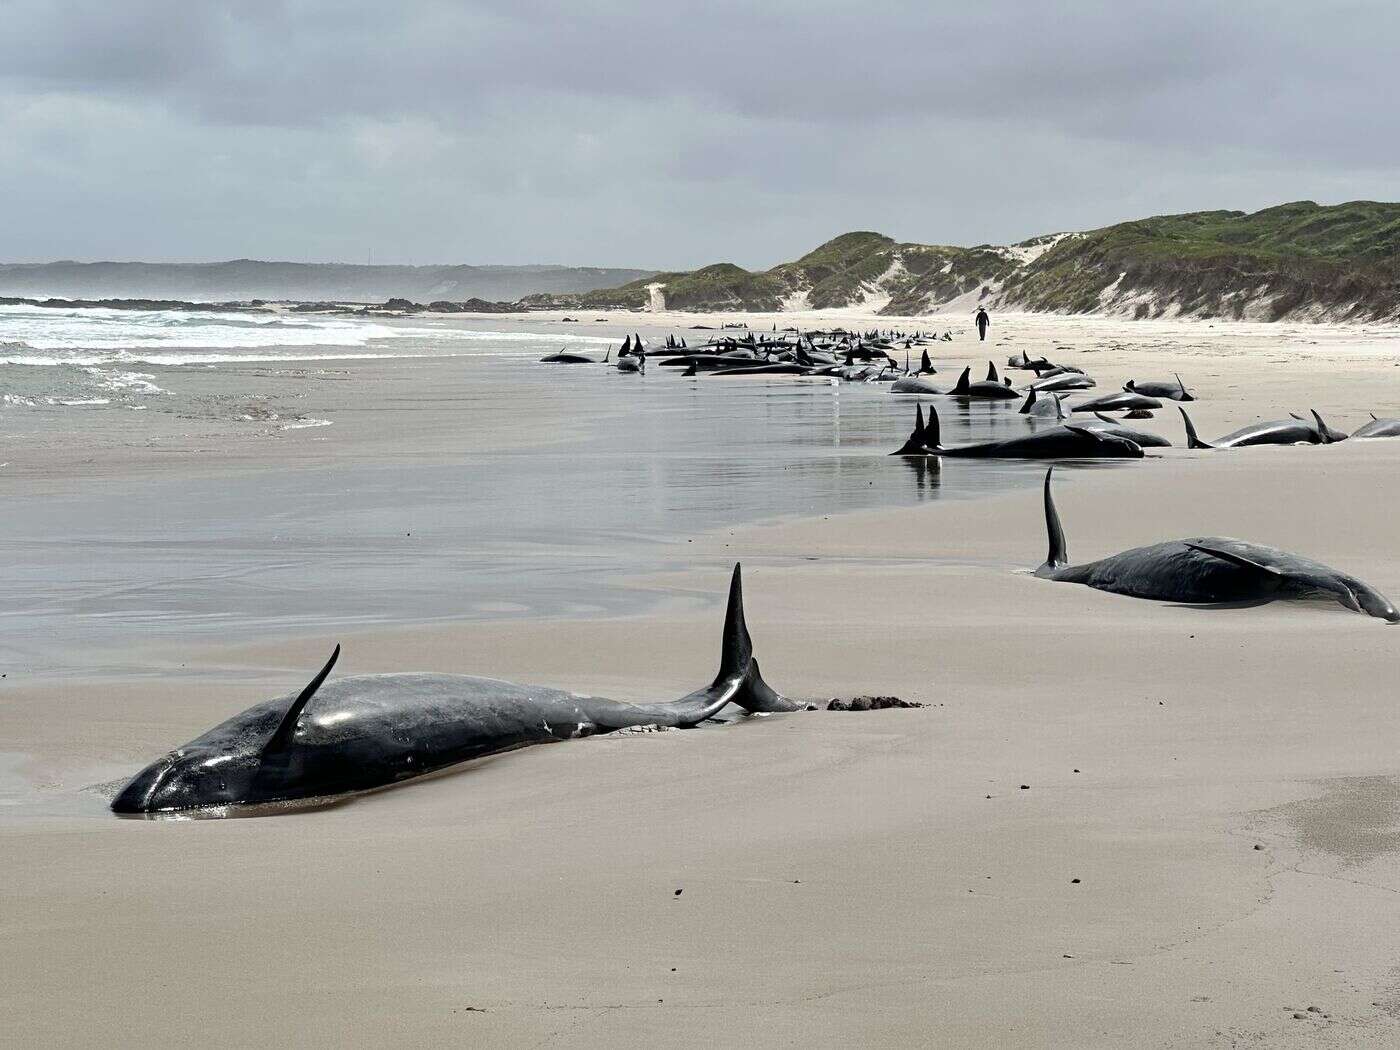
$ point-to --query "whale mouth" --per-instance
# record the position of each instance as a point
(136, 798)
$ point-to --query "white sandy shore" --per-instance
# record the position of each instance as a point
(1221, 783)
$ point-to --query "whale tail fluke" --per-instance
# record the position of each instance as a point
(1324, 435)
(1057, 557)
(1029, 403)
(914, 445)
(1192, 440)
(737, 660)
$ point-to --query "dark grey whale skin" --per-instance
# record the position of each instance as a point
(984, 389)
(369, 731)
(1379, 428)
(1209, 570)
(1289, 431)
(1145, 438)
(1124, 399)
(1160, 388)
(1061, 442)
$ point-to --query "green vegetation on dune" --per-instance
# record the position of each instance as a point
(1303, 259)
(1341, 262)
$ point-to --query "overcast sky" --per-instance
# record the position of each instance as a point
(657, 134)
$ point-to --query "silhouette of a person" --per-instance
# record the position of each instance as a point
(982, 321)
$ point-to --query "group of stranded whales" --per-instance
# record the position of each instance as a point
(365, 732)
(344, 737)
(835, 354)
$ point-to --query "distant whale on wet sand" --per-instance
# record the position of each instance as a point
(1124, 400)
(564, 357)
(1160, 388)
(987, 389)
(1038, 406)
(1061, 442)
(1291, 431)
(1208, 570)
(915, 384)
(371, 731)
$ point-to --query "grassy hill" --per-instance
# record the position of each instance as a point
(1301, 260)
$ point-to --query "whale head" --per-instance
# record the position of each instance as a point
(239, 762)
(1374, 603)
(191, 778)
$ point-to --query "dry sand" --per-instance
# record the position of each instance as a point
(1221, 783)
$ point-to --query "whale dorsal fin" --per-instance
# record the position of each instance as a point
(992, 376)
(1058, 554)
(1234, 559)
(961, 387)
(282, 735)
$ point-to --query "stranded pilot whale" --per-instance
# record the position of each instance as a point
(1061, 442)
(1205, 570)
(370, 731)
(1291, 431)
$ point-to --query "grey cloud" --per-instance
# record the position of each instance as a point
(666, 134)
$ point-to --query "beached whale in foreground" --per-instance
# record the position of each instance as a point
(369, 731)
(1208, 570)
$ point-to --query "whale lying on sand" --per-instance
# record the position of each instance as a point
(1062, 442)
(1064, 381)
(1208, 570)
(1291, 431)
(1145, 438)
(1123, 401)
(369, 731)
(915, 384)
(1379, 428)
(1160, 388)
(1038, 406)
(986, 389)
(566, 358)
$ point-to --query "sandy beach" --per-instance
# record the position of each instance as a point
(1115, 823)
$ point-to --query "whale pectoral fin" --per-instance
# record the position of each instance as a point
(1348, 598)
(1236, 559)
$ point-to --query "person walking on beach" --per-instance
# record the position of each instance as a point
(982, 321)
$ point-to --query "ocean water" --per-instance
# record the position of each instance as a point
(450, 522)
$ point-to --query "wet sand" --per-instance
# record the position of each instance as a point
(1220, 781)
